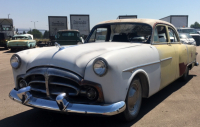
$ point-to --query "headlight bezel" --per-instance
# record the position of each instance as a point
(19, 61)
(105, 64)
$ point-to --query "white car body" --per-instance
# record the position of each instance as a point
(157, 63)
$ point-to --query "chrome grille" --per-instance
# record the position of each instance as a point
(47, 82)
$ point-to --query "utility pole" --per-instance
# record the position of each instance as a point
(34, 23)
(8, 16)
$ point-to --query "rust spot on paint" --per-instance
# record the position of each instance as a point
(182, 68)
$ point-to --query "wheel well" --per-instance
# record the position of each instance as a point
(145, 84)
(190, 67)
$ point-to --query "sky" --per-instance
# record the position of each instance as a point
(24, 11)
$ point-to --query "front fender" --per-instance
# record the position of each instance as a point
(116, 82)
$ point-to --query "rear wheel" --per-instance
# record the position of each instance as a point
(6, 48)
(133, 100)
(185, 75)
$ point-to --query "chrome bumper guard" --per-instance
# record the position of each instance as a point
(23, 96)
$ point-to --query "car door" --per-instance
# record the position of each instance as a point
(166, 53)
(180, 52)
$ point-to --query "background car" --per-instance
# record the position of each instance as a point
(187, 39)
(67, 37)
(3, 40)
(193, 32)
(22, 41)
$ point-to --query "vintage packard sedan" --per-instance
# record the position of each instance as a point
(109, 76)
(22, 41)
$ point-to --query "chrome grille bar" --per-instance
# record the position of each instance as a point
(47, 82)
(65, 84)
(36, 81)
(47, 74)
(52, 93)
(38, 90)
(64, 74)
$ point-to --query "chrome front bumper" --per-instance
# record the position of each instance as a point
(23, 96)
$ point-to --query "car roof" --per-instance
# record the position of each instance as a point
(69, 30)
(151, 22)
(25, 35)
(184, 28)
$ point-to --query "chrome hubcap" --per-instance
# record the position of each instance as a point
(134, 98)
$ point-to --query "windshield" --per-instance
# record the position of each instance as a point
(190, 31)
(67, 34)
(19, 38)
(184, 36)
(121, 32)
(8, 28)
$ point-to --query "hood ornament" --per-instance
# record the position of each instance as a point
(58, 45)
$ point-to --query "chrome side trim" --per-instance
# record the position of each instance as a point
(65, 106)
(147, 64)
(143, 65)
(165, 59)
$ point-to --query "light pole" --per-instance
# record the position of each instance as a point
(34, 23)
(8, 16)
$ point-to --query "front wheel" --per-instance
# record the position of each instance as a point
(133, 100)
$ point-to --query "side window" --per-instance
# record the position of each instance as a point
(162, 33)
(172, 35)
(99, 35)
(92, 38)
(29, 37)
(155, 36)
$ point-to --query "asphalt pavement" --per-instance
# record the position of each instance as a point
(176, 105)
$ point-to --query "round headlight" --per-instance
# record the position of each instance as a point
(15, 61)
(100, 66)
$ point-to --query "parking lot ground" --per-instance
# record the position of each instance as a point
(176, 105)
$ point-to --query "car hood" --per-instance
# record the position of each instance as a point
(73, 58)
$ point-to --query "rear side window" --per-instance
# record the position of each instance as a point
(67, 34)
(162, 33)
(29, 37)
(172, 35)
